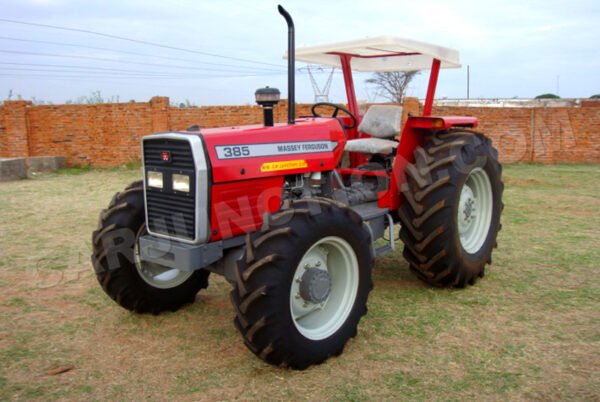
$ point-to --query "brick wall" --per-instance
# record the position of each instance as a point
(109, 134)
(101, 135)
(219, 116)
(545, 135)
(14, 130)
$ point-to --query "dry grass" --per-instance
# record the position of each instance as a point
(528, 330)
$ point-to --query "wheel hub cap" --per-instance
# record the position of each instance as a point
(466, 208)
(474, 213)
(315, 285)
(324, 287)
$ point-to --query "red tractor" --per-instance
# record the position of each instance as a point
(292, 224)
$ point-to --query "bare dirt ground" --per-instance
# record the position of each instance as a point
(528, 330)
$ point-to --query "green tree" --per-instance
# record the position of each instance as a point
(547, 96)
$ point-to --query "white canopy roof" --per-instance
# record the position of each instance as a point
(383, 53)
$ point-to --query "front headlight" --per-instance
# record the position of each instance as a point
(181, 182)
(155, 179)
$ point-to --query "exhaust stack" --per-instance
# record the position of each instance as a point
(291, 64)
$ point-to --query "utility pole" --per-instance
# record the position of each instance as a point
(468, 81)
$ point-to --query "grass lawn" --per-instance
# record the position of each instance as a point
(529, 330)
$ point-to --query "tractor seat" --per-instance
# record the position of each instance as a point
(381, 122)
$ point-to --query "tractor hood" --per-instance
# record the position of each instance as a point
(256, 151)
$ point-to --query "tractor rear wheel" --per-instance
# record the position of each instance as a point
(134, 284)
(302, 284)
(452, 205)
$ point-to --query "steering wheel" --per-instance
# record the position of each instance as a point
(337, 108)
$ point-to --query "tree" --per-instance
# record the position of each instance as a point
(93, 99)
(595, 96)
(392, 84)
(547, 96)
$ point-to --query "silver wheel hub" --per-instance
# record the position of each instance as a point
(474, 214)
(466, 208)
(324, 288)
(315, 285)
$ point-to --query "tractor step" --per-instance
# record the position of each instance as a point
(377, 218)
(383, 250)
(370, 210)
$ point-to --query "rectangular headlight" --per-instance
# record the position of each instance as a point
(181, 182)
(155, 179)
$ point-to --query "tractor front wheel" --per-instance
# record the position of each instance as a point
(302, 285)
(452, 205)
(137, 285)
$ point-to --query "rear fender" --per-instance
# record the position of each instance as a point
(414, 133)
(441, 123)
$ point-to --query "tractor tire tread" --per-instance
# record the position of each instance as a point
(250, 293)
(126, 211)
(426, 226)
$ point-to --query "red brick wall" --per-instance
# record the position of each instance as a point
(109, 134)
(14, 129)
(221, 116)
(101, 135)
(545, 135)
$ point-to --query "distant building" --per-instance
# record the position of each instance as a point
(516, 102)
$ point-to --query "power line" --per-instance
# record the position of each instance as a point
(132, 73)
(133, 53)
(70, 66)
(128, 74)
(138, 41)
(125, 77)
(81, 67)
(124, 61)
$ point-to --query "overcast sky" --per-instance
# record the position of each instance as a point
(514, 48)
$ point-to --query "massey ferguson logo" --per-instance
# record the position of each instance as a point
(165, 156)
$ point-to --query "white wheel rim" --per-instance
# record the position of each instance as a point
(335, 256)
(475, 210)
(157, 275)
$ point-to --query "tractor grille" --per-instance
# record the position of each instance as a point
(181, 154)
(170, 212)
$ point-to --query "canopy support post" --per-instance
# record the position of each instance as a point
(433, 77)
(347, 70)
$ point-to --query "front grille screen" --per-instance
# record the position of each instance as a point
(169, 211)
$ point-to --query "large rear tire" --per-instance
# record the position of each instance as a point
(136, 285)
(302, 284)
(452, 206)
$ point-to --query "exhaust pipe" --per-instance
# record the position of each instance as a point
(291, 64)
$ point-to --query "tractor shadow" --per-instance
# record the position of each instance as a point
(393, 269)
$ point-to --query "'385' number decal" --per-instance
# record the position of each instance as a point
(236, 151)
(273, 149)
